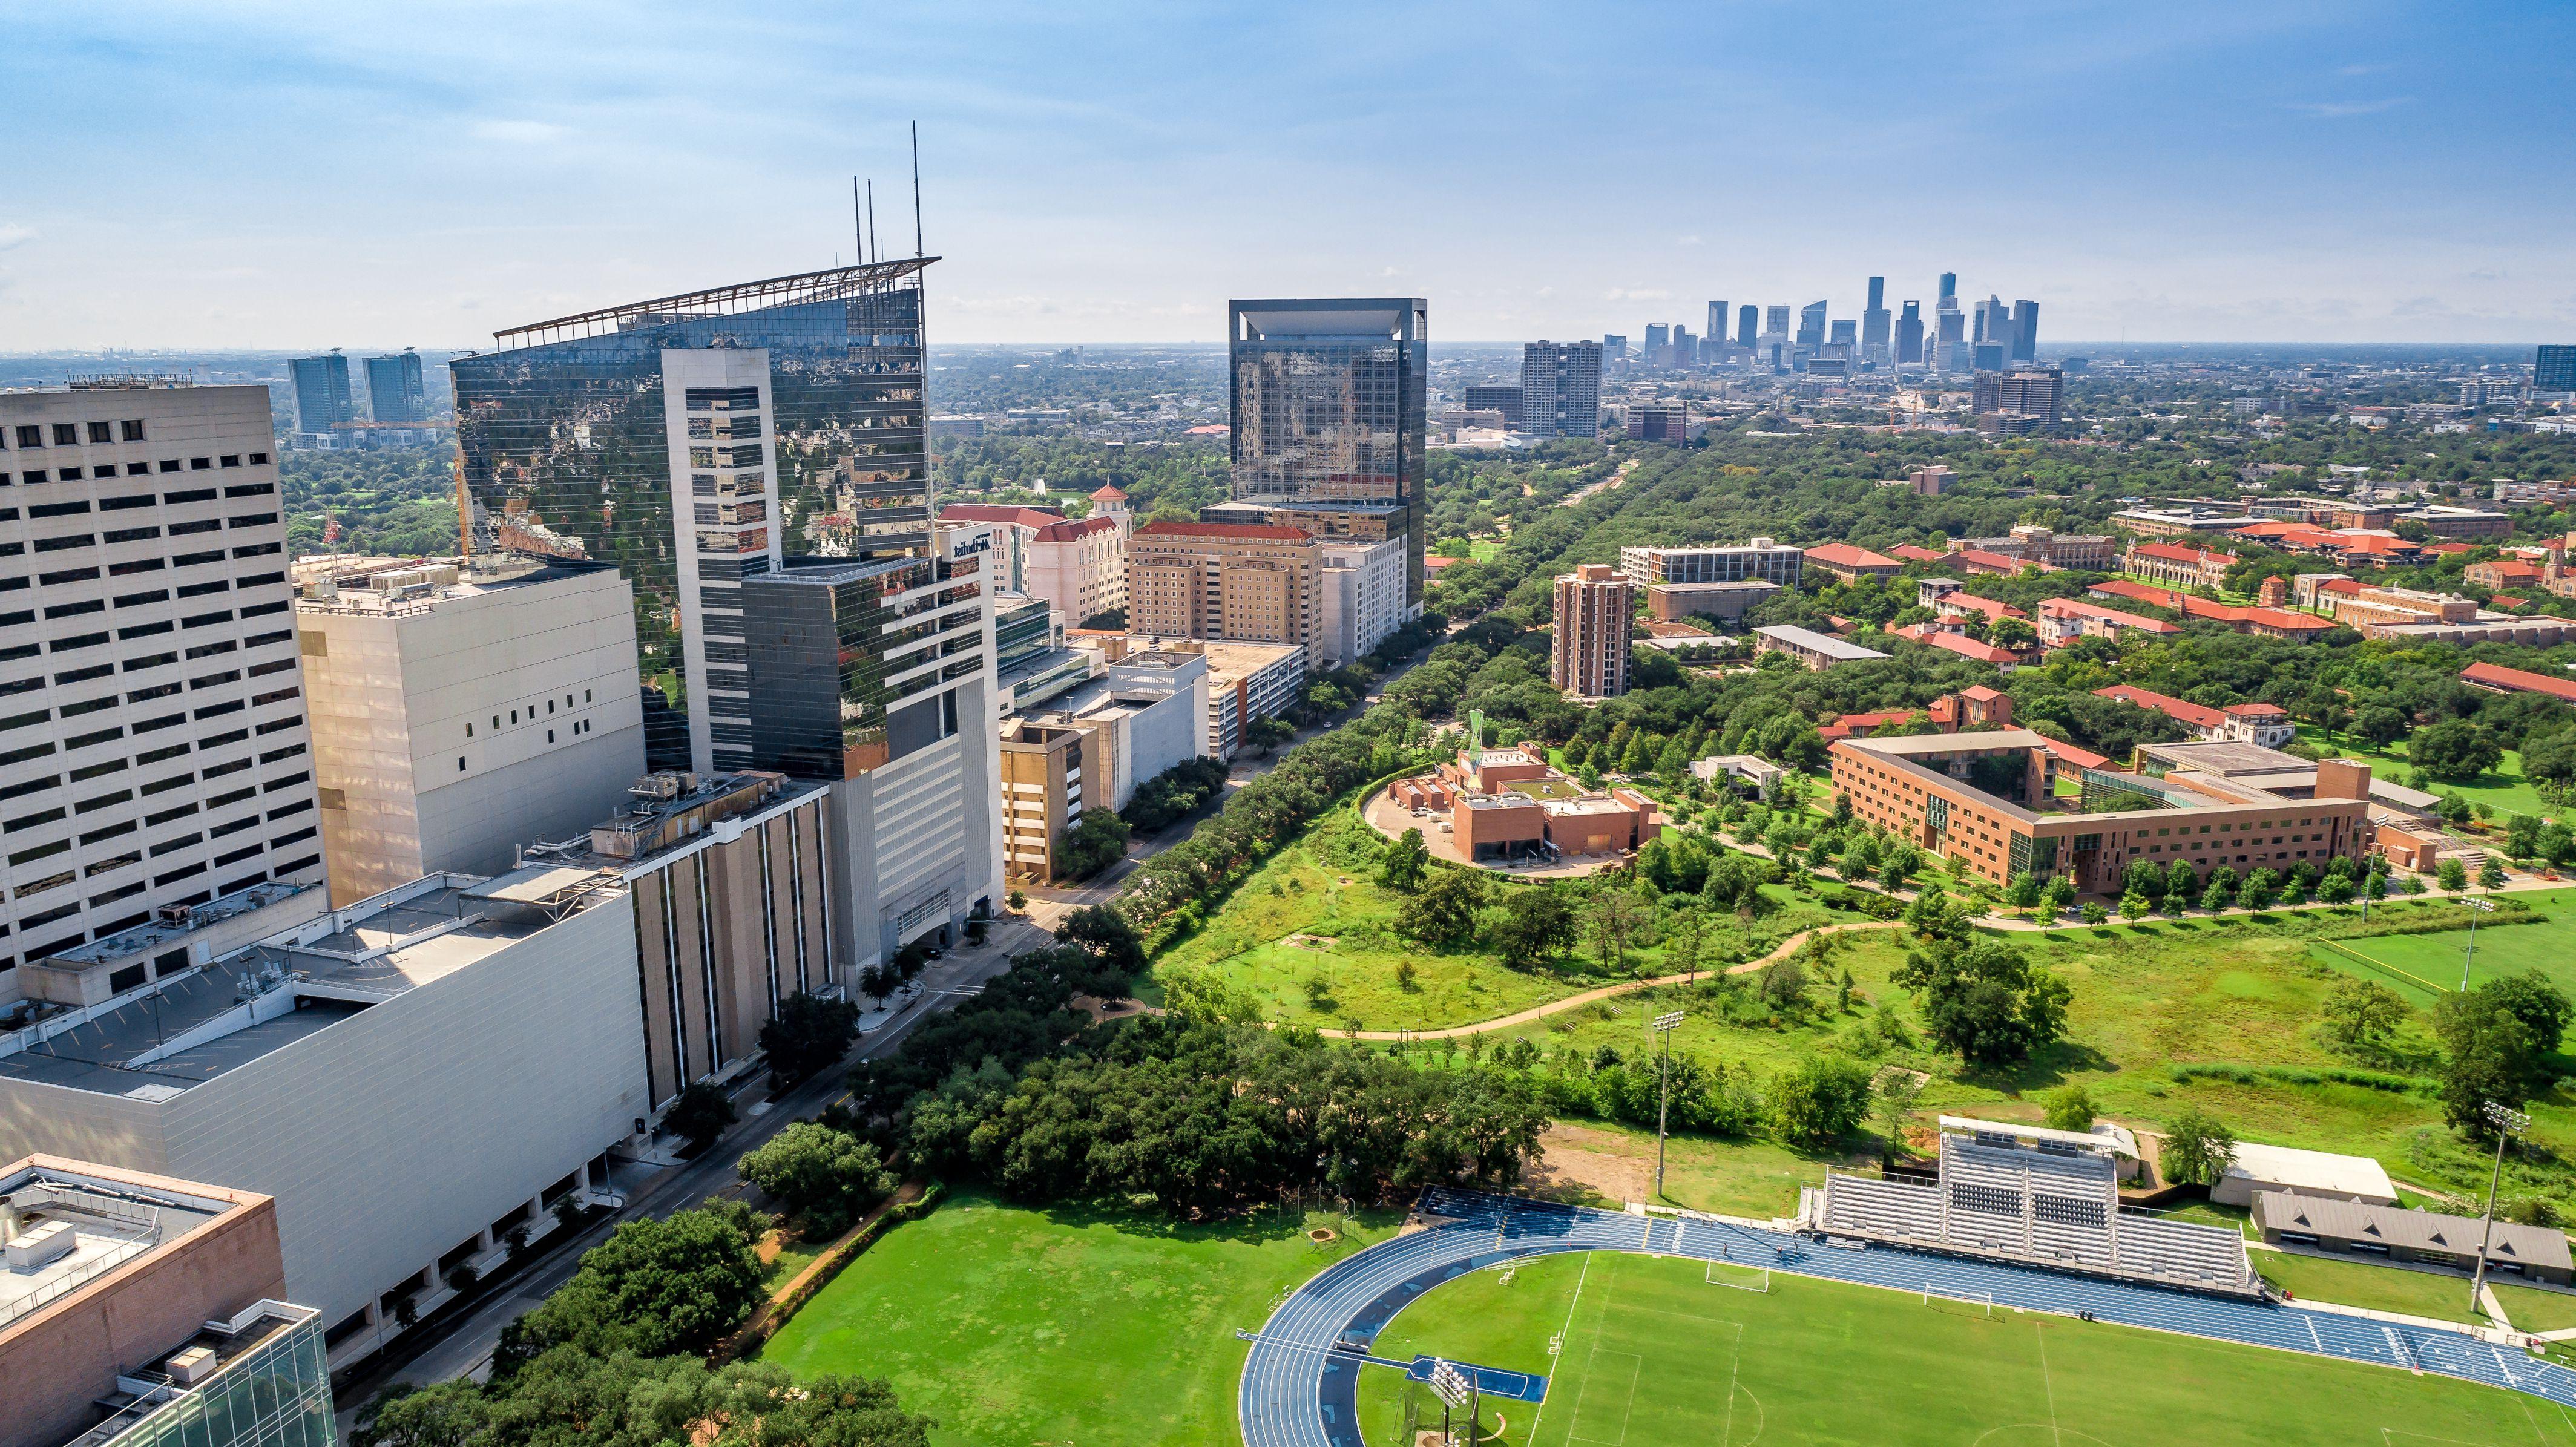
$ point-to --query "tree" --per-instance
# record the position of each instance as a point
(652, 1288)
(1933, 917)
(1095, 840)
(1820, 1099)
(2181, 885)
(2198, 1150)
(2489, 1056)
(2216, 898)
(2094, 913)
(1402, 865)
(2023, 892)
(2549, 762)
(2360, 1013)
(2261, 887)
(1109, 942)
(2135, 906)
(1537, 925)
(2542, 1007)
(826, 1176)
(2070, 1107)
(2453, 875)
(699, 1115)
(808, 1035)
(2144, 877)
(2522, 836)
(2491, 874)
(2061, 892)
(2379, 726)
(2335, 889)
(1444, 912)
(1986, 1001)
(1615, 918)
(2454, 749)
(1898, 1091)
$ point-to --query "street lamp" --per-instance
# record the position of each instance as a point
(2508, 1122)
(2482, 906)
(1664, 1025)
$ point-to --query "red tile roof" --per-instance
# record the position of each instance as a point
(2172, 554)
(2450, 549)
(2171, 707)
(1844, 555)
(2078, 608)
(2510, 568)
(1913, 554)
(1247, 532)
(1976, 558)
(1981, 694)
(2141, 592)
(2516, 680)
(994, 512)
(1967, 647)
(2507, 600)
(2257, 710)
(1065, 532)
(1107, 492)
(2080, 758)
(1992, 608)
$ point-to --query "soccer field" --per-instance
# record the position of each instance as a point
(1644, 1351)
(2423, 967)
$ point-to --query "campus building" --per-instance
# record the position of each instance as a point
(1763, 559)
(154, 753)
(1851, 563)
(2264, 724)
(139, 1310)
(415, 1079)
(1814, 651)
(1143, 716)
(1236, 582)
(1246, 682)
(1329, 406)
(1589, 654)
(1509, 804)
(458, 712)
(1983, 801)
(2031, 543)
(2177, 566)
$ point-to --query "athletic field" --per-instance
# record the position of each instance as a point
(1644, 1351)
(2424, 967)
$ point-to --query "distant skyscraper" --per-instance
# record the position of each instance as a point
(1685, 348)
(395, 392)
(1842, 332)
(1659, 335)
(1873, 322)
(1950, 286)
(1613, 346)
(1909, 335)
(1949, 337)
(1811, 325)
(1748, 324)
(321, 392)
(2025, 331)
(2553, 369)
(1988, 356)
(1561, 389)
(1329, 407)
(2034, 392)
(1717, 315)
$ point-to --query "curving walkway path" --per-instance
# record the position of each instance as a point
(1782, 951)
(1300, 1385)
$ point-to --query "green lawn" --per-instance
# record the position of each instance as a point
(2503, 789)
(2533, 1309)
(1653, 1353)
(2425, 966)
(2369, 1284)
(1019, 1326)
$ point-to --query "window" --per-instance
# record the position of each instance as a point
(169, 464)
(133, 429)
(201, 464)
(67, 434)
(460, 763)
(232, 459)
(101, 432)
(31, 437)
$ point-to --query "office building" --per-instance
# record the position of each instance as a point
(2553, 369)
(1658, 339)
(139, 1310)
(395, 390)
(1594, 605)
(1246, 682)
(1874, 323)
(1233, 581)
(732, 879)
(1659, 422)
(1981, 801)
(876, 676)
(1359, 597)
(1328, 406)
(1025, 630)
(1842, 333)
(1762, 558)
(1851, 563)
(1144, 716)
(1811, 325)
(1993, 322)
(1748, 324)
(1949, 337)
(322, 399)
(1561, 389)
(415, 1079)
(1908, 344)
(1497, 398)
(2033, 392)
(459, 713)
(1079, 566)
(1614, 347)
(2025, 332)
(1949, 286)
(668, 437)
(154, 754)
(1718, 318)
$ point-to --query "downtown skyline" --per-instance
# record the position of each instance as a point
(2278, 173)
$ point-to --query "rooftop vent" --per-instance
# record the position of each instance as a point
(194, 1365)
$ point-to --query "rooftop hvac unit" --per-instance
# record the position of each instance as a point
(182, 915)
(662, 786)
(194, 1365)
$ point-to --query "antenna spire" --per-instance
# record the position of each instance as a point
(916, 190)
(856, 235)
(871, 252)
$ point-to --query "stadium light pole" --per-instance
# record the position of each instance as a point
(2481, 906)
(1664, 1026)
(1454, 1390)
(2508, 1122)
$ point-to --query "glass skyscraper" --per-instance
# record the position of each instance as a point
(395, 391)
(681, 439)
(321, 392)
(1329, 408)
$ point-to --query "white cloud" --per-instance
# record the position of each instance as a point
(2340, 110)
(1629, 293)
(518, 133)
(13, 235)
(1687, 241)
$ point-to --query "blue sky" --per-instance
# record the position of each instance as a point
(366, 175)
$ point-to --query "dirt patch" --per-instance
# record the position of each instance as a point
(1101, 1010)
(1576, 1164)
(1313, 942)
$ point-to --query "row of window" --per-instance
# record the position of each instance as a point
(36, 475)
(68, 434)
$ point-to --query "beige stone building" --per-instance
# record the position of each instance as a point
(1594, 604)
(1238, 582)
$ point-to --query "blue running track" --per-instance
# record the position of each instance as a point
(1299, 1391)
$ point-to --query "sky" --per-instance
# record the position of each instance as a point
(217, 175)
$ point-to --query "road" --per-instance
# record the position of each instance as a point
(464, 1347)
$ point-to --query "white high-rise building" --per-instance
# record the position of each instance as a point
(459, 715)
(1561, 389)
(1359, 597)
(153, 748)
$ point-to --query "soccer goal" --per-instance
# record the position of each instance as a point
(1959, 1303)
(1739, 1275)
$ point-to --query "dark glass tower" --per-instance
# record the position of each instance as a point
(681, 439)
(1329, 404)
(395, 391)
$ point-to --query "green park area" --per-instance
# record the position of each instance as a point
(2502, 788)
(1066, 1324)
(1642, 1349)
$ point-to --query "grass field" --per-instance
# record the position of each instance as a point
(2502, 789)
(2531, 1309)
(2424, 967)
(2366, 1284)
(1651, 1353)
(1019, 1326)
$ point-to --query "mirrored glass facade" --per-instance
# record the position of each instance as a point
(276, 1394)
(687, 440)
(855, 665)
(1328, 409)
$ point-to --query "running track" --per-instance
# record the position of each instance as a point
(1298, 1392)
